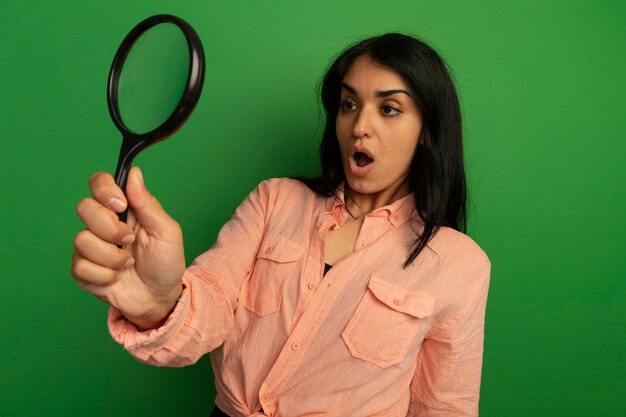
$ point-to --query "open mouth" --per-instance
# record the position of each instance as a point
(362, 160)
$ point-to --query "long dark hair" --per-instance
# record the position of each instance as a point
(437, 173)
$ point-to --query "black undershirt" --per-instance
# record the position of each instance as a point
(327, 268)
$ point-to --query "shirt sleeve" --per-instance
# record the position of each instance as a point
(447, 378)
(204, 315)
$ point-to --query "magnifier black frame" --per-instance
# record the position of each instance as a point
(133, 142)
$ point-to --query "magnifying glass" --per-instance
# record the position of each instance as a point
(154, 84)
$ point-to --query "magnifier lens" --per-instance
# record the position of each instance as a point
(153, 78)
(154, 84)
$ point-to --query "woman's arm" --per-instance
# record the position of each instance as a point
(204, 315)
(447, 377)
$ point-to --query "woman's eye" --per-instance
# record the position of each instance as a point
(347, 106)
(389, 111)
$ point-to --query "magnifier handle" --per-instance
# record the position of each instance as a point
(121, 177)
(123, 216)
(127, 154)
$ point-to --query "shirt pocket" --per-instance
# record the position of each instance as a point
(386, 322)
(275, 263)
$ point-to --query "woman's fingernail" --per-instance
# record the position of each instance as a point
(117, 204)
(128, 239)
(129, 262)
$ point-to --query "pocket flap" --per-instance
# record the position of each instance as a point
(414, 303)
(279, 249)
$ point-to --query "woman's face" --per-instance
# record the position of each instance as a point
(378, 127)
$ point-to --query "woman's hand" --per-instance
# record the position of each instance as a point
(142, 279)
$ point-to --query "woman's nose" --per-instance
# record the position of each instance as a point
(362, 124)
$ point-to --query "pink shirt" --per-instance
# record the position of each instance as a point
(368, 339)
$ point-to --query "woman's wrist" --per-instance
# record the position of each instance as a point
(159, 315)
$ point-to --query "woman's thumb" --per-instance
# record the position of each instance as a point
(146, 208)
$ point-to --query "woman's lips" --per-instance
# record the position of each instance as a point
(360, 171)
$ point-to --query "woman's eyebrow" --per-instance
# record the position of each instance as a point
(350, 89)
(385, 93)
(388, 93)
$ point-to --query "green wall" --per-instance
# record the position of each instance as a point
(542, 89)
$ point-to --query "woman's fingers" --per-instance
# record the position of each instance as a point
(100, 252)
(106, 192)
(110, 273)
(103, 222)
(86, 272)
(147, 209)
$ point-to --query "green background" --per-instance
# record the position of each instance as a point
(542, 89)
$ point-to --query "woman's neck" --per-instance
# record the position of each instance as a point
(359, 204)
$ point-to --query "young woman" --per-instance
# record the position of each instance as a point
(352, 294)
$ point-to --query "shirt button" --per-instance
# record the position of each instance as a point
(320, 225)
(265, 397)
(396, 217)
(396, 301)
(268, 249)
(312, 285)
(295, 346)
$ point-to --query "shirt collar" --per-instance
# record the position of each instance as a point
(397, 212)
